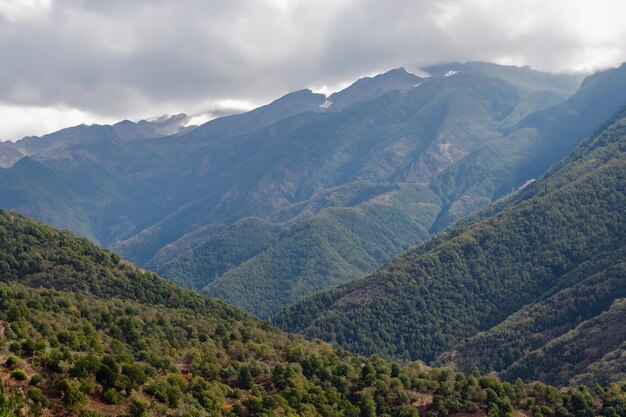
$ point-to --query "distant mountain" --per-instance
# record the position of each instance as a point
(448, 144)
(532, 287)
(239, 124)
(332, 266)
(369, 88)
(531, 146)
(9, 153)
(398, 128)
(82, 135)
(523, 77)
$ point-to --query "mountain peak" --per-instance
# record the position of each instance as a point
(302, 98)
(300, 94)
(369, 88)
(400, 71)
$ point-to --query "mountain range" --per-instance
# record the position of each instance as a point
(381, 164)
(472, 219)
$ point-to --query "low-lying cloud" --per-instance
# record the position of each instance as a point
(88, 60)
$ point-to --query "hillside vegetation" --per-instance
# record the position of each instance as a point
(573, 335)
(553, 254)
(260, 267)
(85, 333)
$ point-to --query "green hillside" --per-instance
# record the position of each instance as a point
(555, 234)
(573, 335)
(235, 244)
(261, 268)
(85, 333)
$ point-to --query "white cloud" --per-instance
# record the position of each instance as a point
(228, 104)
(327, 90)
(24, 10)
(555, 35)
(19, 121)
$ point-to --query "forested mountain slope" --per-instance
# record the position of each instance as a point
(531, 146)
(574, 336)
(276, 265)
(558, 243)
(85, 333)
(406, 154)
(468, 102)
(273, 172)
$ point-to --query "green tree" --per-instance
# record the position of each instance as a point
(71, 394)
(245, 378)
(368, 407)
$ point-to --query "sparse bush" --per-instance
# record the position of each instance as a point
(35, 380)
(111, 396)
(12, 361)
(71, 393)
(19, 375)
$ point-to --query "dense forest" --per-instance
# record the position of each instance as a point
(574, 334)
(261, 267)
(558, 243)
(85, 333)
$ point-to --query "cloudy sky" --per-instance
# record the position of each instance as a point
(65, 62)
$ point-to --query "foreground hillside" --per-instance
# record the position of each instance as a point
(540, 274)
(85, 333)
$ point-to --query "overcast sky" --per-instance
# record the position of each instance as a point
(65, 62)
